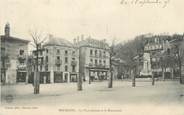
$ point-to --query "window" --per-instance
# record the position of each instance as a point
(91, 52)
(168, 51)
(47, 51)
(58, 57)
(58, 68)
(58, 51)
(91, 60)
(42, 60)
(104, 54)
(96, 62)
(21, 52)
(73, 68)
(40, 67)
(73, 59)
(46, 59)
(100, 54)
(66, 68)
(95, 52)
(46, 68)
(66, 60)
(104, 62)
(66, 52)
(73, 52)
(100, 61)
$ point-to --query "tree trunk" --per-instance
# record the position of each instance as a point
(172, 73)
(36, 76)
(133, 78)
(179, 64)
(163, 73)
(27, 77)
(79, 82)
(111, 74)
(110, 80)
(181, 81)
(153, 79)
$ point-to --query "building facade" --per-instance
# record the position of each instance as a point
(158, 48)
(13, 58)
(58, 61)
(94, 58)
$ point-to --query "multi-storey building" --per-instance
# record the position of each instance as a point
(59, 61)
(13, 58)
(156, 48)
(94, 58)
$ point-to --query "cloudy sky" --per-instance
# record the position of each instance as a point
(97, 18)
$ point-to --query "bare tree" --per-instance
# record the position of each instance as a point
(38, 39)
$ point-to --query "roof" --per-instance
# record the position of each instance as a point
(14, 38)
(59, 42)
(90, 42)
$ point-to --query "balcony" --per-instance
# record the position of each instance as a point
(58, 62)
(74, 63)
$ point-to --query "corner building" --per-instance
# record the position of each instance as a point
(59, 61)
(13, 54)
(94, 58)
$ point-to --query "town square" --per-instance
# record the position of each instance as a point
(83, 57)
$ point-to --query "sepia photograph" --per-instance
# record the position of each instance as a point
(114, 57)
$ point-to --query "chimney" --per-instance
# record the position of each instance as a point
(7, 30)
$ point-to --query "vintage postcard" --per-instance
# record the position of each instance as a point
(122, 57)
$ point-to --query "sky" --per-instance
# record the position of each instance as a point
(100, 19)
